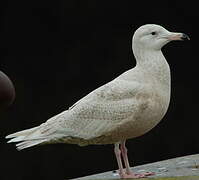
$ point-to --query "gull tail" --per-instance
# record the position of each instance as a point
(48, 132)
(26, 138)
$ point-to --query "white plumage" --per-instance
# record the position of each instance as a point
(124, 108)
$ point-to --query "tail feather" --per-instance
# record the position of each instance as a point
(46, 132)
(26, 144)
(27, 138)
(17, 139)
(22, 133)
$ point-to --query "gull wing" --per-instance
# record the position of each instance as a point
(103, 110)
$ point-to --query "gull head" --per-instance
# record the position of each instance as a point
(154, 37)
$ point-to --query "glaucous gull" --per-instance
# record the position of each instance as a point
(125, 108)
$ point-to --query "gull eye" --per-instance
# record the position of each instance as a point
(153, 33)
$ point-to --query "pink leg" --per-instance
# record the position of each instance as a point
(125, 157)
(128, 173)
(119, 160)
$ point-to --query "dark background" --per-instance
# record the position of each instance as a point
(56, 52)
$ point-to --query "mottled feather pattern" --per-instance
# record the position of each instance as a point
(126, 107)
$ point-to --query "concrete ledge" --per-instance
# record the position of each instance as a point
(181, 168)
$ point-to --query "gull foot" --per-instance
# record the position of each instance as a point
(135, 175)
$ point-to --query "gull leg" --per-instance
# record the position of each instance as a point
(119, 160)
(122, 173)
(129, 173)
(125, 157)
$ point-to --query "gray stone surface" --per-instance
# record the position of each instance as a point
(187, 166)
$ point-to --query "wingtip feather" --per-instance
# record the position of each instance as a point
(17, 139)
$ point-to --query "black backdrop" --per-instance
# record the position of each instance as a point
(56, 52)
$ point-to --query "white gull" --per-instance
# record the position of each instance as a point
(127, 107)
